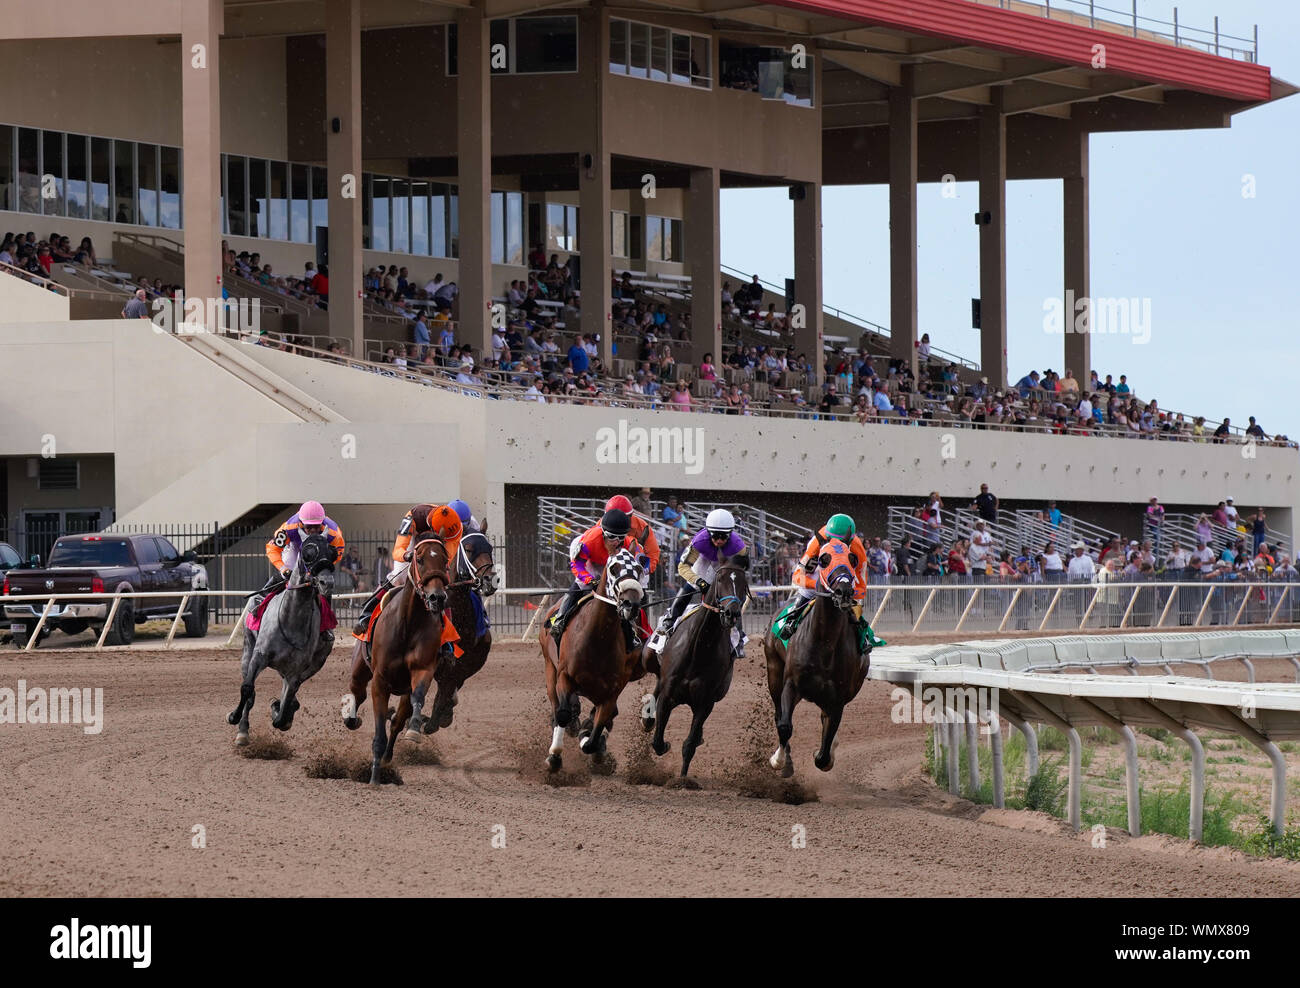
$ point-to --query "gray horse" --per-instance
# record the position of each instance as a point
(290, 639)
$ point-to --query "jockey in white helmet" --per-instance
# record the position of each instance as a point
(699, 562)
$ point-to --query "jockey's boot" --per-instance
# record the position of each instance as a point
(562, 615)
(866, 637)
(368, 609)
(669, 620)
(273, 582)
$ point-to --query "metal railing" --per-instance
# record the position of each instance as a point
(1094, 15)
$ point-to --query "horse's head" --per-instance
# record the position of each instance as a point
(835, 568)
(315, 566)
(730, 589)
(428, 573)
(474, 562)
(623, 575)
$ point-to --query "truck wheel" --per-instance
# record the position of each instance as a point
(123, 630)
(196, 622)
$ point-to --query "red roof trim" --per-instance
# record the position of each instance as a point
(1026, 34)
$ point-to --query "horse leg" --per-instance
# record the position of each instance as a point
(252, 668)
(419, 690)
(594, 743)
(379, 708)
(356, 695)
(283, 709)
(663, 708)
(699, 715)
(399, 719)
(782, 759)
(246, 687)
(825, 757)
(555, 756)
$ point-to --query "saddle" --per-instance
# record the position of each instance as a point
(629, 636)
(328, 622)
(789, 618)
(449, 633)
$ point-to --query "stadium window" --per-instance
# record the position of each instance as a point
(498, 227)
(236, 195)
(124, 181)
(7, 152)
(544, 44)
(618, 46)
(514, 228)
(379, 212)
(278, 193)
(561, 227)
(300, 204)
(78, 166)
(169, 188)
(259, 210)
(645, 51)
(798, 81)
(635, 237)
(146, 171)
(401, 204)
(438, 220)
(618, 233)
(52, 165)
(654, 238)
(659, 54)
(420, 218)
(453, 222)
(29, 170)
(101, 178)
(673, 240)
(320, 201)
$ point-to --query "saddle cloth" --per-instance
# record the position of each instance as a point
(328, 622)
(449, 633)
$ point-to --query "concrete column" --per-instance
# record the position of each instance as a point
(993, 241)
(202, 22)
(703, 234)
(474, 157)
(343, 162)
(594, 199)
(808, 274)
(1078, 346)
(902, 220)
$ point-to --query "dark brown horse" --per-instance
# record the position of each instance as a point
(593, 659)
(475, 576)
(405, 650)
(821, 663)
(696, 665)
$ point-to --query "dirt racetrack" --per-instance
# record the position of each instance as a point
(114, 813)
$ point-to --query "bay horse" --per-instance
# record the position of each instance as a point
(475, 578)
(594, 658)
(290, 638)
(696, 665)
(821, 663)
(405, 647)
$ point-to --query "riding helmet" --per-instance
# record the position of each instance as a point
(841, 527)
(619, 502)
(615, 523)
(311, 513)
(462, 510)
(720, 522)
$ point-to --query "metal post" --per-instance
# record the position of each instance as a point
(1255, 54)
(177, 620)
(1135, 18)
(1092, 14)
(1216, 32)
(1175, 27)
(995, 742)
(112, 613)
(921, 617)
(952, 744)
(36, 632)
(972, 754)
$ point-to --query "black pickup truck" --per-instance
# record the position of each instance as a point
(107, 563)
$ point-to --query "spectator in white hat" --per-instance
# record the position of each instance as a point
(1081, 569)
(1231, 512)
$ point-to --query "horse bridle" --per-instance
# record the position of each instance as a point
(722, 601)
(481, 578)
(838, 598)
(417, 581)
(606, 576)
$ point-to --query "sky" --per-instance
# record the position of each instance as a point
(1169, 222)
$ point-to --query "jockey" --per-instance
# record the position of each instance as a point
(641, 530)
(843, 528)
(282, 550)
(588, 556)
(699, 562)
(467, 519)
(421, 518)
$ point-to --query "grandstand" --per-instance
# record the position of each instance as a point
(523, 184)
